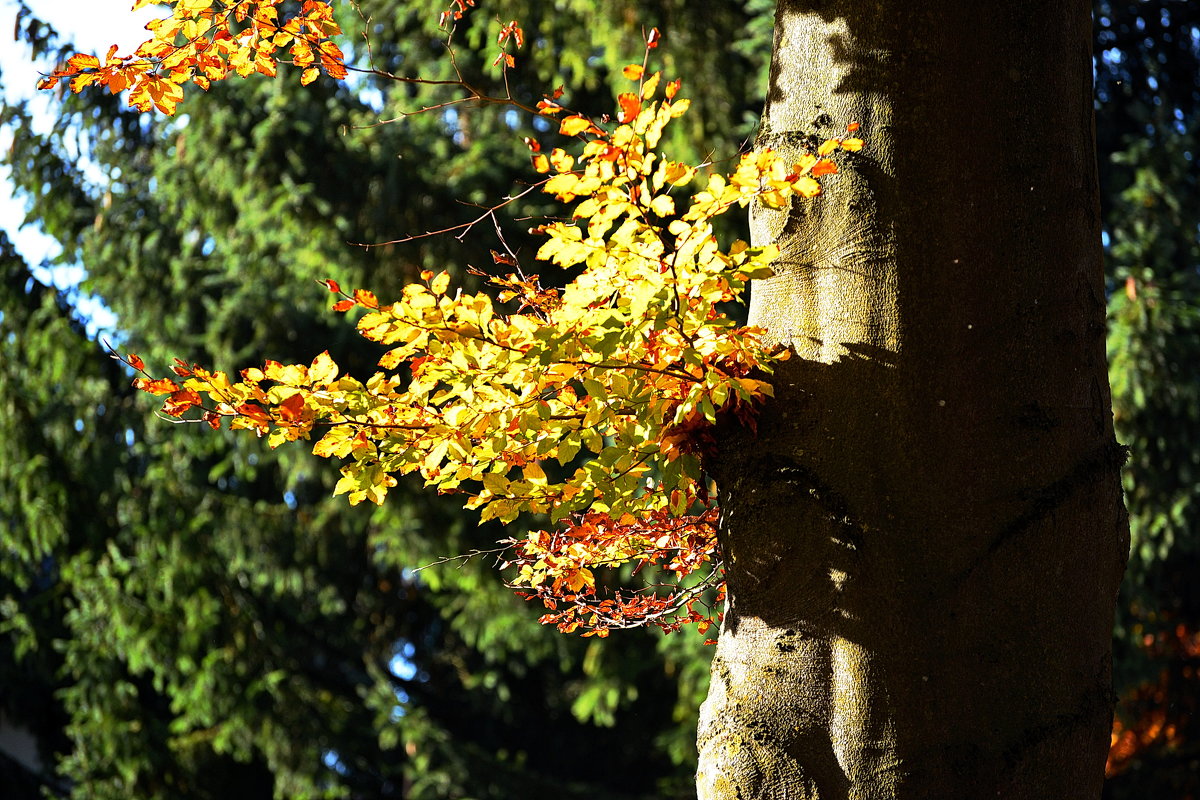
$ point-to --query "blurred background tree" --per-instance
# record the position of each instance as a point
(192, 616)
(187, 615)
(1148, 120)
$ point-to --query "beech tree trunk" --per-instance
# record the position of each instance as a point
(924, 540)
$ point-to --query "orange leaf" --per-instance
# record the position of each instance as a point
(331, 285)
(630, 105)
(365, 298)
(292, 409)
(156, 385)
(135, 361)
(179, 402)
(82, 61)
(823, 167)
(252, 411)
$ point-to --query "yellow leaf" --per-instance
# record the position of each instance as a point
(677, 173)
(574, 125)
(534, 473)
(679, 107)
(323, 371)
(439, 284)
(807, 187)
(651, 85)
(562, 186)
(191, 8)
(633, 72)
(663, 205)
(288, 375)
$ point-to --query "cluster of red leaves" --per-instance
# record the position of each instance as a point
(510, 32)
(681, 546)
(455, 12)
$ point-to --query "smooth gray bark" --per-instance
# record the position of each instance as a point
(925, 539)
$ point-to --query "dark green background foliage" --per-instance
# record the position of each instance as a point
(186, 614)
(190, 614)
(1148, 121)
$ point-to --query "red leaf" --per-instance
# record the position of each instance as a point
(292, 409)
(343, 305)
(630, 105)
(501, 258)
(134, 361)
(252, 411)
(179, 402)
(332, 285)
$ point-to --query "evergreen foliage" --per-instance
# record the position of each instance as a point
(1148, 120)
(185, 615)
(216, 623)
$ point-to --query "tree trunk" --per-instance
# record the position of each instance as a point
(924, 541)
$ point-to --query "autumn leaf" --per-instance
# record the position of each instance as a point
(574, 125)
(630, 104)
(180, 402)
(291, 409)
(156, 386)
(322, 371)
(591, 403)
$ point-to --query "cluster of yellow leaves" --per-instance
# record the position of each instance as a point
(590, 405)
(206, 40)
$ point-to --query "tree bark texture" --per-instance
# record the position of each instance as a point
(924, 540)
